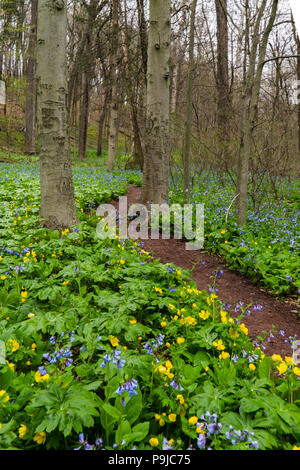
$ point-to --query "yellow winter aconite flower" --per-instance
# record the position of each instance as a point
(296, 371)
(3, 277)
(132, 322)
(223, 317)
(180, 340)
(243, 328)
(22, 430)
(4, 397)
(40, 438)
(153, 442)
(38, 377)
(122, 261)
(13, 344)
(224, 355)
(289, 360)
(252, 366)
(193, 420)
(33, 346)
(204, 314)
(158, 289)
(172, 417)
(163, 324)
(114, 341)
(30, 315)
(277, 358)
(24, 295)
(180, 398)
(282, 368)
(296, 448)
(219, 345)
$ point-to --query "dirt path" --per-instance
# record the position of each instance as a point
(232, 288)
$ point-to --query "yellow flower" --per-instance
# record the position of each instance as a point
(157, 289)
(33, 346)
(180, 340)
(24, 295)
(180, 398)
(163, 324)
(277, 358)
(282, 368)
(3, 277)
(11, 365)
(296, 371)
(204, 314)
(41, 378)
(289, 360)
(168, 344)
(243, 328)
(219, 345)
(132, 322)
(122, 261)
(224, 355)
(15, 345)
(172, 417)
(193, 420)
(169, 365)
(153, 442)
(114, 341)
(30, 315)
(22, 431)
(200, 429)
(5, 396)
(252, 366)
(65, 283)
(161, 422)
(40, 437)
(296, 448)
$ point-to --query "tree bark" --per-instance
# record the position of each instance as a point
(83, 116)
(155, 187)
(113, 119)
(250, 104)
(223, 93)
(57, 207)
(30, 104)
(189, 109)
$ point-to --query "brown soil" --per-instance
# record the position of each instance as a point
(283, 314)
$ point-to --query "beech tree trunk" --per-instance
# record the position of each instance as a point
(57, 207)
(30, 104)
(155, 187)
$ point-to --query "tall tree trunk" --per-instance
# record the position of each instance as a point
(250, 104)
(155, 187)
(57, 192)
(113, 119)
(83, 116)
(30, 104)
(102, 122)
(189, 108)
(223, 93)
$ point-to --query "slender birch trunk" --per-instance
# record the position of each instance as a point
(57, 192)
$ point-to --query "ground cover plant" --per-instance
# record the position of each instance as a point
(267, 247)
(103, 347)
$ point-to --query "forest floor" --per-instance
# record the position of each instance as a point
(281, 313)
